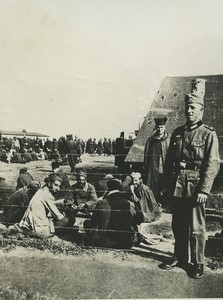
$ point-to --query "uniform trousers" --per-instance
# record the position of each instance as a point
(188, 225)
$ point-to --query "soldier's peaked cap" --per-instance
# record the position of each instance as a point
(194, 99)
(160, 121)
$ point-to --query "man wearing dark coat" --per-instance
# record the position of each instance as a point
(112, 220)
(24, 178)
(106, 146)
(48, 147)
(155, 155)
(18, 202)
(17, 158)
(100, 147)
(74, 151)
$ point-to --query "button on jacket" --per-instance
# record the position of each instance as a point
(193, 160)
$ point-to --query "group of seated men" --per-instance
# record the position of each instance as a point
(112, 220)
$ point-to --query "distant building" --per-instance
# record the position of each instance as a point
(9, 133)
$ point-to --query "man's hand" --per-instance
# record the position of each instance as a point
(82, 206)
(131, 188)
(201, 198)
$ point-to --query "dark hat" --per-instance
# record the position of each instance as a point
(114, 184)
(23, 170)
(55, 164)
(194, 99)
(160, 121)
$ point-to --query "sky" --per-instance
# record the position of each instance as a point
(93, 67)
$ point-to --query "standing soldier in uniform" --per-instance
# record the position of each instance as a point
(192, 164)
(155, 155)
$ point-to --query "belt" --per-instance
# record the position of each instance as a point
(188, 166)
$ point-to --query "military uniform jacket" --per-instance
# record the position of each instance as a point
(192, 161)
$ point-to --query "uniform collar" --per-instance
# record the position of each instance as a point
(194, 126)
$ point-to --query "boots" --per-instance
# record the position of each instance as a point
(198, 271)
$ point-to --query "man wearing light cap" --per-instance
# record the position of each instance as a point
(155, 156)
(192, 164)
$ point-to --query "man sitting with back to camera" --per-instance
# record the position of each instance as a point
(113, 220)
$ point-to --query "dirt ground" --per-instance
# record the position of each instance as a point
(158, 232)
(99, 273)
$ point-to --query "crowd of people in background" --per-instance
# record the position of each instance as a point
(26, 149)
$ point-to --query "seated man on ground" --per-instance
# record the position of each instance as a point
(126, 186)
(33, 154)
(102, 187)
(65, 188)
(42, 215)
(144, 199)
(84, 194)
(112, 221)
(41, 155)
(15, 208)
(24, 178)
(26, 156)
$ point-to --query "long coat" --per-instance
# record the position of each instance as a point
(114, 219)
(143, 198)
(74, 151)
(17, 205)
(154, 159)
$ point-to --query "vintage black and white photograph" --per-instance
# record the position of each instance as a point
(111, 149)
